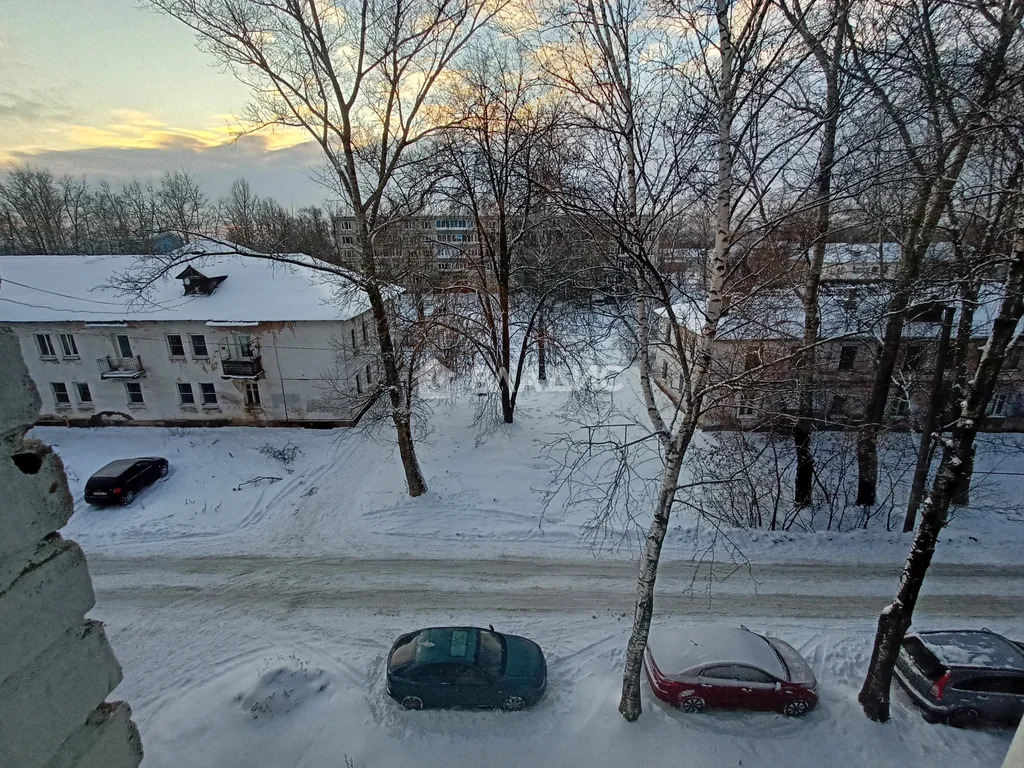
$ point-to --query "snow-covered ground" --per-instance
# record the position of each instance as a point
(252, 620)
(214, 685)
(344, 495)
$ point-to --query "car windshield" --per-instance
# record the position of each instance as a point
(490, 655)
(403, 653)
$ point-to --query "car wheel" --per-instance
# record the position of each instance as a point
(128, 498)
(691, 705)
(412, 702)
(513, 704)
(163, 470)
(795, 708)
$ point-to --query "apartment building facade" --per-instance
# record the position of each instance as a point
(229, 339)
(755, 357)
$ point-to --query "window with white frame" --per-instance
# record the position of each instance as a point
(133, 390)
(84, 395)
(60, 393)
(252, 394)
(175, 345)
(199, 345)
(997, 405)
(185, 394)
(209, 393)
(346, 225)
(124, 345)
(745, 409)
(45, 345)
(68, 345)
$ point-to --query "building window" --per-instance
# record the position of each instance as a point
(852, 299)
(752, 360)
(366, 332)
(124, 345)
(664, 369)
(355, 346)
(252, 393)
(838, 407)
(209, 393)
(134, 390)
(185, 394)
(746, 406)
(199, 345)
(847, 357)
(347, 240)
(60, 393)
(84, 395)
(175, 345)
(68, 345)
(369, 375)
(997, 405)
(345, 225)
(45, 345)
(1012, 358)
(359, 385)
(243, 342)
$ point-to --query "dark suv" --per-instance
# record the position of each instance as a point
(121, 480)
(963, 676)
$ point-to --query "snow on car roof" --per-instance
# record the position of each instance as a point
(683, 649)
(974, 648)
(46, 288)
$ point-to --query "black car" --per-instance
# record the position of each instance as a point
(465, 667)
(121, 480)
(963, 676)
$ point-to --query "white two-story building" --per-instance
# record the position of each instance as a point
(228, 339)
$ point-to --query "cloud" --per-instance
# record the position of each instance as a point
(129, 129)
(282, 173)
(39, 108)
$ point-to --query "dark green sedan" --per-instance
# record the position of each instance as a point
(465, 667)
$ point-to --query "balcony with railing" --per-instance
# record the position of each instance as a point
(240, 360)
(120, 367)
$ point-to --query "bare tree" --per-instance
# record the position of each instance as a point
(358, 78)
(239, 212)
(823, 27)
(896, 618)
(494, 161)
(936, 70)
(181, 204)
(640, 165)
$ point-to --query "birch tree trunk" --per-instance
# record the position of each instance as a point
(629, 704)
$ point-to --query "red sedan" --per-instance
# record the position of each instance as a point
(725, 667)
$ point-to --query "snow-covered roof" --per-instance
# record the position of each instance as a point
(44, 288)
(850, 310)
(684, 650)
(880, 253)
(974, 649)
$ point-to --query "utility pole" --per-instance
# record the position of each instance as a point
(924, 450)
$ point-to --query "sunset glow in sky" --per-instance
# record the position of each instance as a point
(108, 89)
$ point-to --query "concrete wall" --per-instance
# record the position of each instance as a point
(310, 371)
(56, 667)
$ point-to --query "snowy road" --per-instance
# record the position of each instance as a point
(281, 585)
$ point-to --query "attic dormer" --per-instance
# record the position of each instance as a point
(197, 283)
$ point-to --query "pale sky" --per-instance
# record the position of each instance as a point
(108, 89)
